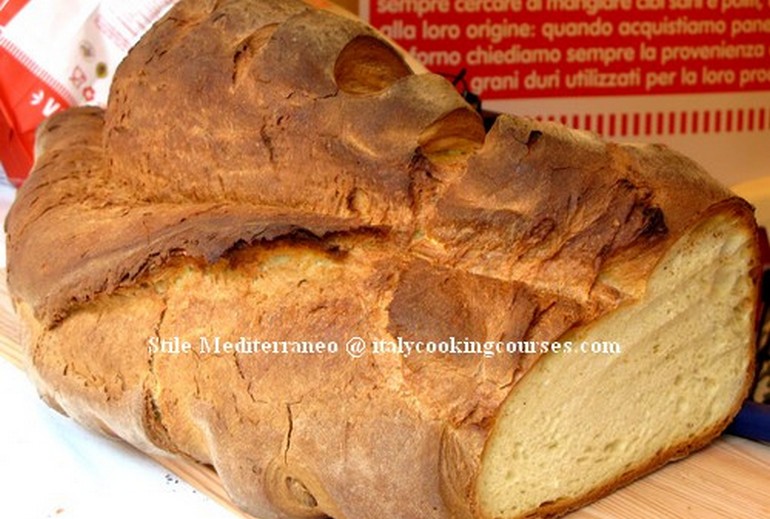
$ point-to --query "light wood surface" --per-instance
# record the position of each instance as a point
(729, 479)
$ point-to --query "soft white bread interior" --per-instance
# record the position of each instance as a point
(645, 383)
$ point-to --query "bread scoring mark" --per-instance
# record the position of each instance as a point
(656, 222)
(368, 65)
(533, 138)
(452, 136)
(247, 49)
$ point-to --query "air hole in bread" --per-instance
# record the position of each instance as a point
(290, 492)
(453, 135)
(368, 65)
(300, 493)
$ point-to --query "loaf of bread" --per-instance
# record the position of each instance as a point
(265, 171)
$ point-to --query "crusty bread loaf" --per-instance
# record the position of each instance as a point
(269, 171)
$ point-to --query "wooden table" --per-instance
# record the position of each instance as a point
(728, 480)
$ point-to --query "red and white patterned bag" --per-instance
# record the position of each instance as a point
(59, 53)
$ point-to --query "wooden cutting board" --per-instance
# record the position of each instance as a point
(729, 479)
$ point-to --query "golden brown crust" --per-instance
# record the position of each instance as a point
(253, 176)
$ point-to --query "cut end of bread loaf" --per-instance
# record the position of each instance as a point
(582, 423)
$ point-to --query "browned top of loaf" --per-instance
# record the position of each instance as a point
(239, 122)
